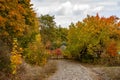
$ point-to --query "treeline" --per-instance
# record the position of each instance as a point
(20, 38)
(96, 40)
(27, 38)
(52, 36)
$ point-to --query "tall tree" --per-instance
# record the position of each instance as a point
(19, 21)
(51, 34)
(47, 28)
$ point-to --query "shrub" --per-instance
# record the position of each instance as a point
(35, 54)
(16, 57)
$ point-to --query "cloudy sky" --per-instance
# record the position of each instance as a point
(67, 11)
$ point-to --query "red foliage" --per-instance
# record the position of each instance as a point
(58, 51)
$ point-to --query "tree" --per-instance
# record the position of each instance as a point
(19, 21)
(47, 28)
(52, 35)
(88, 39)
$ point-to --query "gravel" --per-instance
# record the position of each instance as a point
(70, 70)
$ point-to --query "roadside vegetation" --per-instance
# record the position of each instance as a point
(95, 40)
(31, 40)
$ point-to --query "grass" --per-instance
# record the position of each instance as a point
(105, 72)
(49, 69)
(113, 73)
(28, 72)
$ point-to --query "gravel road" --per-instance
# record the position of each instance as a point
(70, 70)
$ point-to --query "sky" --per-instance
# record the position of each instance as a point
(67, 11)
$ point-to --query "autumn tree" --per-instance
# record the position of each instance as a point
(88, 39)
(18, 21)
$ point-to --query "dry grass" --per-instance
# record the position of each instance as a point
(39, 73)
(105, 72)
(111, 73)
(108, 73)
(28, 72)
(49, 69)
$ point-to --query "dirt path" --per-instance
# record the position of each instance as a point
(69, 70)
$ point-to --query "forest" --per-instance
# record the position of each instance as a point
(26, 39)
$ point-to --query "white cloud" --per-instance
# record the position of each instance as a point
(67, 11)
(112, 3)
(99, 8)
(81, 7)
(68, 8)
(65, 8)
(67, 4)
(66, 20)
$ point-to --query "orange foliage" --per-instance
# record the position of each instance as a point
(2, 21)
(112, 49)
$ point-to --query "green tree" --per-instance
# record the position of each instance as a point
(47, 28)
(52, 35)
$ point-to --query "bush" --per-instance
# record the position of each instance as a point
(67, 54)
(35, 54)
